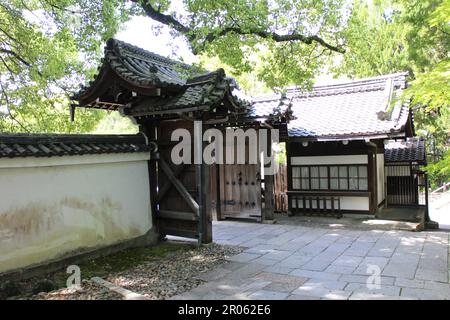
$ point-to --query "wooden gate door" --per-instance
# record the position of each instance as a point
(401, 185)
(182, 195)
(240, 191)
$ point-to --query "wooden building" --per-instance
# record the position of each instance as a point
(335, 135)
(337, 143)
(406, 182)
(162, 95)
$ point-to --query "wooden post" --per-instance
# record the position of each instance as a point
(202, 175)
(198, 146)
(427, 216)
(219, 183)
(372, 176)
(268, 197)
(208, 206)
(289, 179)
(150, 131)
(268, 213)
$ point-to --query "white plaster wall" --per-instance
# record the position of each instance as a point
(380, 177)
(347, 203)
(324, 160)
(355, 203)
(77, 203)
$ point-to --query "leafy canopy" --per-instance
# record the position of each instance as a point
(385, 36)
(47, 48)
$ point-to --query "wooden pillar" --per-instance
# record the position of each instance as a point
(150, 130)
(208, 205)
(269, 203)
(372, 176)
(427, 215)
(269, 208)
(289, 177)
(202, 176)
(218, 183)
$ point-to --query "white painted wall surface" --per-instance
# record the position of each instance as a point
(347, 203)
(355, 203)
(78, 203)
(324, 160)
(380, 178)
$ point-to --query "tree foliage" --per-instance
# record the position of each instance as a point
(385, 36)
(47, 47)
(290, 37)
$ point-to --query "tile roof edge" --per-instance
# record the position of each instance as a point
(119, 45)
(338, 85)
(81, 138)
(358, 80)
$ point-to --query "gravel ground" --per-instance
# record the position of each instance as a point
(171, 275)
(174, 274)
(88, 291)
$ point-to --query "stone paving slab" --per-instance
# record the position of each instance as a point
(303, 262)
(268, 295)
(244, 257)
(278, 269)
(281, 287)
(322, 293)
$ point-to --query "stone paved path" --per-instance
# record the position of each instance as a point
(298, 262)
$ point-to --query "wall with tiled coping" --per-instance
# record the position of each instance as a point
(52, 208)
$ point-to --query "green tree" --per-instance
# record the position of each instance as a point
(47, 48)
(375, 45)
(385, 36)
(292, 38)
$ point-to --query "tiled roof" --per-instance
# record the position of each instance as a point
(50, 145)
(141, 67)
(182, 85)
(411, 150)
(353, 108)
(206, 91)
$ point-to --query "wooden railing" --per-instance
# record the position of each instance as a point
(442, 188)
(315, 205)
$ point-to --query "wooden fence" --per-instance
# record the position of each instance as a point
(280, 189)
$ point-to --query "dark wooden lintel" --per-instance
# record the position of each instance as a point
(331, 193)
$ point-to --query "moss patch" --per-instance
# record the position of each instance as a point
(102, 266)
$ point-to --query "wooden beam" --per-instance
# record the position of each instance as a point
(177, 111)
(179, 186)
(166, 187)
(179, 215)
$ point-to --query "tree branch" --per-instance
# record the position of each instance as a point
(15, 55)
(170, 21)
(166, 19)
(7, 104)
(276, 37)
